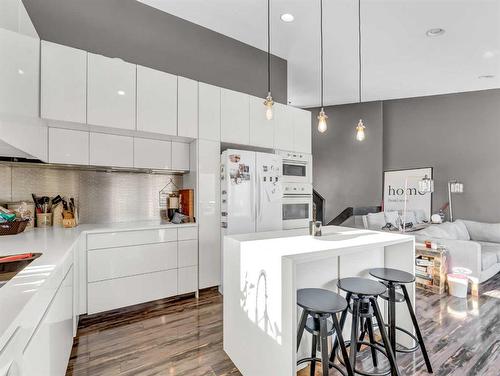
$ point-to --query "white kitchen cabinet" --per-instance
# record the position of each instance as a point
(180, 156)
(208, 218)
(155, 154)
(235, 117)
(68, 146)
(156, 101)
(209, 112)
(187, 253)
(187, 233)
(111, 150)
(283, 128)
(187, 120)
(19, 74)
(261, 129)
(187, 280)
(302, 130)
(111, 92)
(63, 83)
(128, 238)
(49, 348)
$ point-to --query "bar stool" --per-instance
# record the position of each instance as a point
(396, 279)
(361, 297)
(318, 306)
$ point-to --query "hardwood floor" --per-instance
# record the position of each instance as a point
(184, 337)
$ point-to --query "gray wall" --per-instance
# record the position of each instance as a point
(347, 172)
(458, 135)
(101, 197)
(144, 35)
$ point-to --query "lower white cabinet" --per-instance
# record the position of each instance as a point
(111, 150)
(68, 146)
(187, 253)
(152, 153)
(187, 280)
(48, 350)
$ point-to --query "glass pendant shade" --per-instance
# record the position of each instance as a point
(426, 185)
(322, 125)
(360, 131)
(268, 103)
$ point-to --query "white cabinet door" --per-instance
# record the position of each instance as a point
(111, 92)
(63, 83)
(209, 112)
(284, 128)
(235, 118)
(19, 74)
(187, 280)
(152, 154)
(261, 129)
(111, 150)
(187, 121)
(302, 130)
(209, 259)
(156, 101)
(180, 156)
(48, 350)
(68, 146)
(187, 253)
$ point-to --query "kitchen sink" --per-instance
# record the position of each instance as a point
(10, 265)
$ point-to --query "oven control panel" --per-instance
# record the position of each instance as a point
(297, 189)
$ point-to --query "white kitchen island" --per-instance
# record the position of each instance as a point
(262, 272)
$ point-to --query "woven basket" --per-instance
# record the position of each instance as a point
(14, 227)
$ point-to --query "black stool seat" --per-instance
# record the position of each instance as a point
(361, 286)
(392, 275)
(320, 301)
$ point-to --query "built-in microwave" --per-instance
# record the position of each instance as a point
(297, 205)
(297, 167)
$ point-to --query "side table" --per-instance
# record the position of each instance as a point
(431, 267)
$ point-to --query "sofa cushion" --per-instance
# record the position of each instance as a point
(376, 220)
(491, 247)
(488, 258)
(462, 232)
(433, 231)
(392, 217)
(487, 232)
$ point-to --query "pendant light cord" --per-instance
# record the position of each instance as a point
(359, 48)
(321, 46)
(268, 46)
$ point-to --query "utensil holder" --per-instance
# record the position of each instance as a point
(43, 220)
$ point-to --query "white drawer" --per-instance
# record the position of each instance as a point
(122, 292)
(124, 238)
(188, 253)
(188, 280)
(188, 233)
(127, 261)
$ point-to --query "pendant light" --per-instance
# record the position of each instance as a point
(360, 128)
(268, 103)
(322, 117)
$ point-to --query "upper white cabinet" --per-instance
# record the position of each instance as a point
(152, 154)
(111, 150)
(111, 92)
(209, 112)
(261, 129)
(180, 156)
(301, 130)
(156, 101)
(235, 117)
(19, 74)
(283, 127)
(187, 120)
(68, 146)
(63, 83)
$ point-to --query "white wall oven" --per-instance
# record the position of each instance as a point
(297, 205)
(297, 167)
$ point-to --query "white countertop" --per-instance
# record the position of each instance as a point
(55, 245)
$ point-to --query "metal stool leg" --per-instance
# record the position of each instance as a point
(323, 334)
(362, 326)
(353, 349)
(302, 325)
(345, 355)
(417, 329)
(385, 339)
(369, 326)
(313, 354)
(342, 323)
(391, 315)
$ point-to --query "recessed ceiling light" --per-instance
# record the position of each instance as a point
(287, 17)
(436, 32)
(121, 92)
(20, 71)
(487, 76)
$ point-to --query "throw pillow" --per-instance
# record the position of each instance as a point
(392, 217)
(376, 220)
(462, 232)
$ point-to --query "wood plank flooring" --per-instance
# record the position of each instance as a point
(180, 337)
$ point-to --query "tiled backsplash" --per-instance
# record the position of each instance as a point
(101, 196)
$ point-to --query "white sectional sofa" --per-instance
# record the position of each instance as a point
(472, 245)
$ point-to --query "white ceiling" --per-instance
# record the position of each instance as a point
(399, 60)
